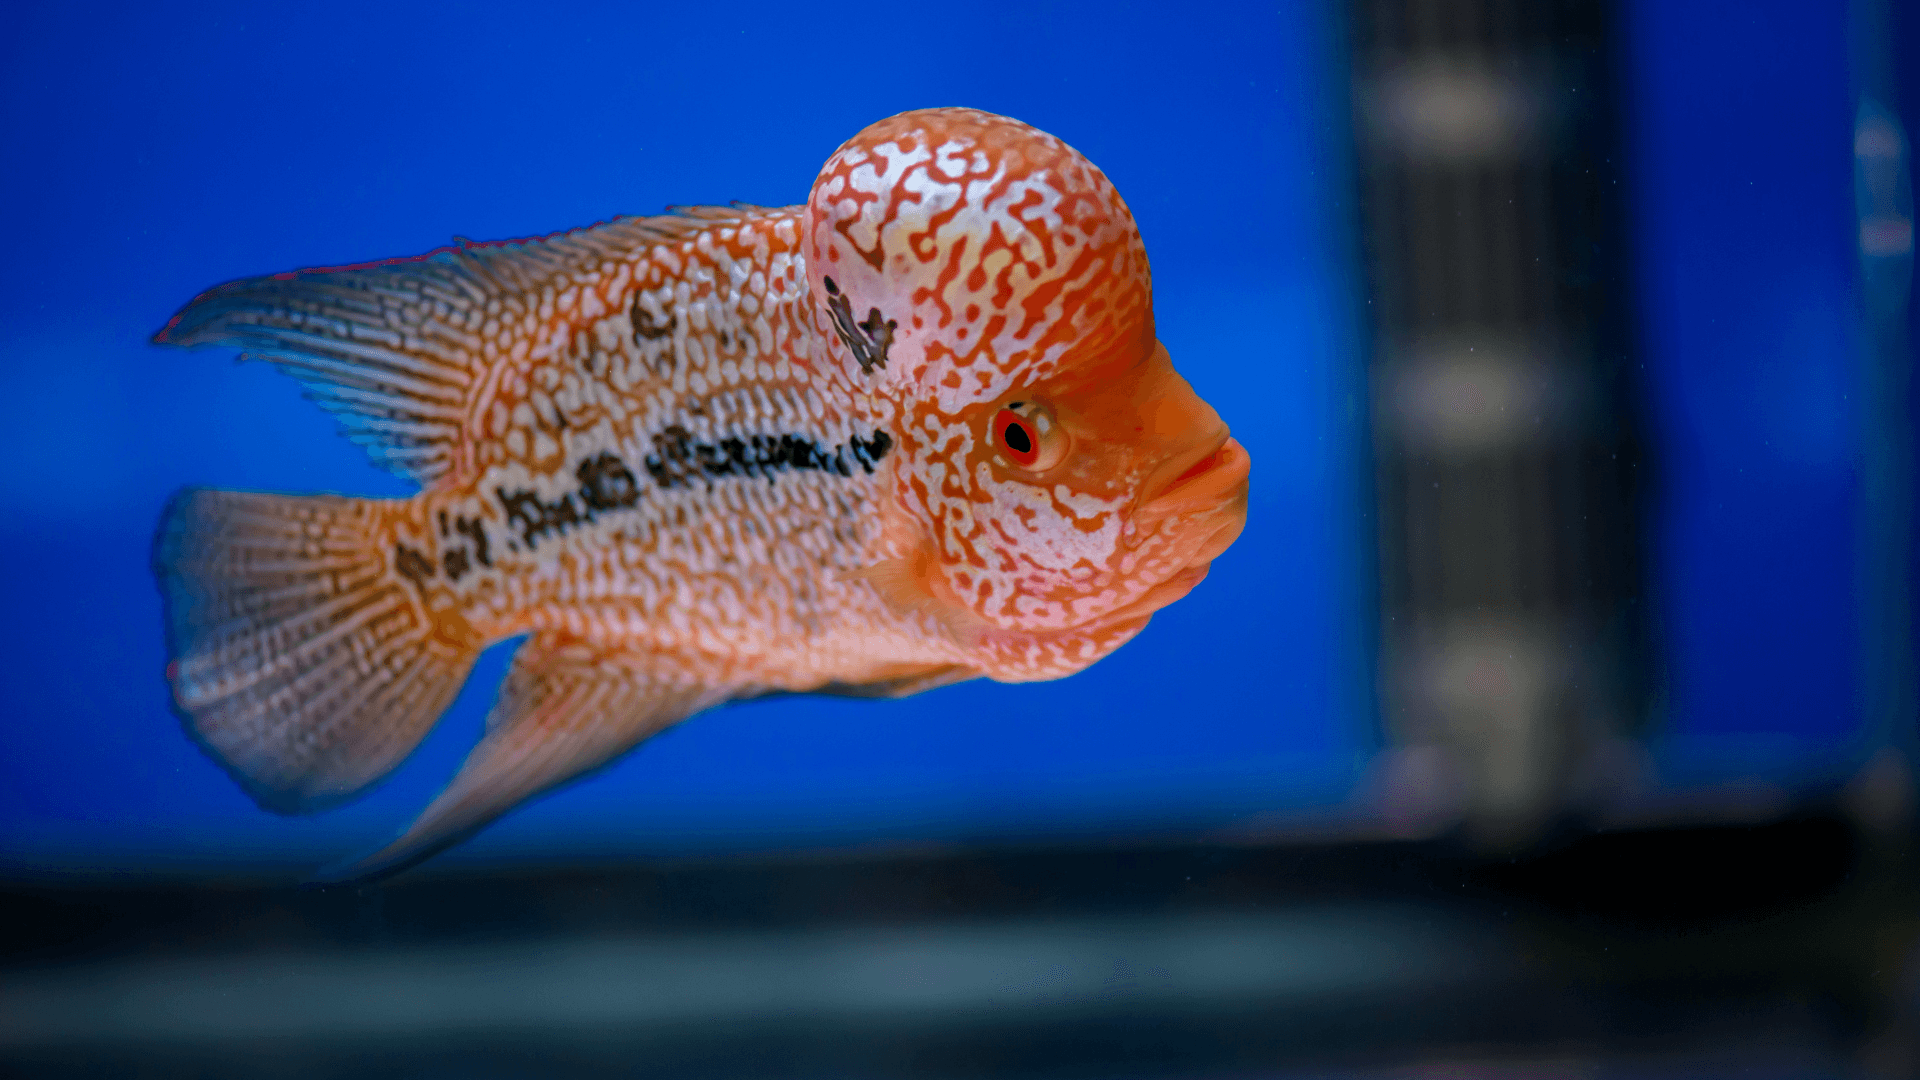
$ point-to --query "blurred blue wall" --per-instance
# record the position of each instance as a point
(154, 152)
(1740, 153)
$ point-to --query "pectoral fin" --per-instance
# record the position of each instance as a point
(910, 586)
(566, 708)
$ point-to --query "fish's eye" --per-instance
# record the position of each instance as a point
(1025, 433)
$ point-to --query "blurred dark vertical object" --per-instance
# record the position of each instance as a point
(1513, 641)
(1883, 206)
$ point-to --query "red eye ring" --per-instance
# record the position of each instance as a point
(1015, 436)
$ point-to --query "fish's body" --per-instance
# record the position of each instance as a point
(915, 431)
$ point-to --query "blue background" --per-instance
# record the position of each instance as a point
(1739, 154)
(152, 153)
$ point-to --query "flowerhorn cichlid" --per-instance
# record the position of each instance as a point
(915, 431)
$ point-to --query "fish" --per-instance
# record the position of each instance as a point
(916, 430)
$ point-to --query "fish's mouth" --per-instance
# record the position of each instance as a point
(1200, 479)
(1209, 487)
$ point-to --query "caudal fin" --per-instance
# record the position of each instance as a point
(299, 658)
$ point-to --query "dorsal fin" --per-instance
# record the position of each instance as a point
(394, 349)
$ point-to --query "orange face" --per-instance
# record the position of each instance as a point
(1057, 481)
(1097, 500)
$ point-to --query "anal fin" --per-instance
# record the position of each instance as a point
(902, 681)
(567, 707)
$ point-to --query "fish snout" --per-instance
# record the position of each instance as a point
(1209, 476)
(1206, 490)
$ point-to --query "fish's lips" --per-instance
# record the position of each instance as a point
(1211, 494)
(1226, 532)
(1220, 518)
(1205, 478)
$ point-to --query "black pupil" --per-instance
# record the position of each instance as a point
(1017, 438)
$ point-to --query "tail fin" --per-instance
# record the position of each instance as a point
(300, 660)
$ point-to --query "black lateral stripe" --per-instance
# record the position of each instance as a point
(678, 459)
(606, 484)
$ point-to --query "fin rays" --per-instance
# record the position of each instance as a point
(565, 710)
(300, 663)
(391, 349)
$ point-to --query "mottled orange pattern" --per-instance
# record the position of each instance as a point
(915, 431)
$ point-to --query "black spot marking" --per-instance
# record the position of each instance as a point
(412, 565)
(880, 332)
(455, 560)
(869, 340)
(535, 517)
(672, 450)
(476, 532)
(645, 329)
(678, 459)
(868, 452)
(607, 484)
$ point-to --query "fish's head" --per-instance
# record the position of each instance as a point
(1056, 480)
